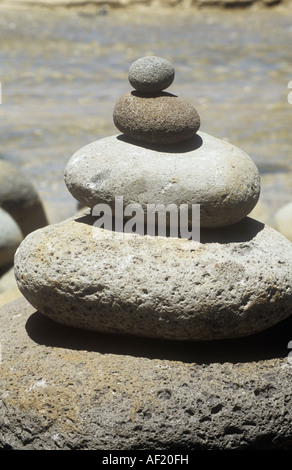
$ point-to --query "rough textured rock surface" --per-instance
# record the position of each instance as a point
(236, 282)
(205, 170)
(160, 118)
(66, 389)
(20, 199)
(10, 238)
(151, 74)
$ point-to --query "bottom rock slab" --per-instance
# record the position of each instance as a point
(65, 388)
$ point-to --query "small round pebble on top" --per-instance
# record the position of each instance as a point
(151, 74)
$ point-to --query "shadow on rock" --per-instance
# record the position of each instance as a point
(185, 146)
(242, 232)
(269, 344)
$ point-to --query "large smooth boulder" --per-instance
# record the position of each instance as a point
(207, 171)
(66, 389)
(235, 282)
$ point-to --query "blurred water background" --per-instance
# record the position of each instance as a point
(63, 70)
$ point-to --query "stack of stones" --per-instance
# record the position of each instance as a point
(149, 114)
(235, 281)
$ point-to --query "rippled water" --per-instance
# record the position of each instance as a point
(63, 71)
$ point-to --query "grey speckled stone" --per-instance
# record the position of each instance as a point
(64, 389)
(236, 282)
(158, 119)
(151, 74)
(205, 170)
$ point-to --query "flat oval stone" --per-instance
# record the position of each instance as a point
(205, 170)
(158, 119)
(151, 74)
(233, 283)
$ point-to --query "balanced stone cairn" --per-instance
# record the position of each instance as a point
(234, 281)
(150, 115)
